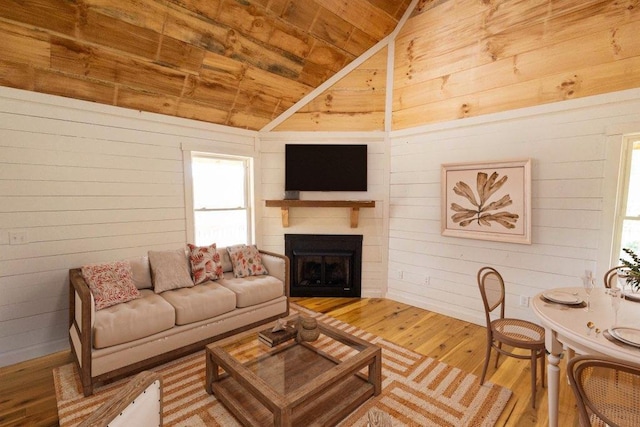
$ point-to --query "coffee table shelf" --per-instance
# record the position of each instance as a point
(296, 383)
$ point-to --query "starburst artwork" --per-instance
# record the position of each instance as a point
(489, 201)
(483, 211)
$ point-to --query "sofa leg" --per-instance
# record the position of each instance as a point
(87, 389)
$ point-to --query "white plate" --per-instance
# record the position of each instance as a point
(629, 336)
(562, 297)
(634, 296)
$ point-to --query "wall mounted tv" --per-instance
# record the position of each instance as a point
(325, 167)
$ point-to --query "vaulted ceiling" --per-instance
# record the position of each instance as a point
(233, 62)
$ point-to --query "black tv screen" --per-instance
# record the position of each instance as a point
(330, 167)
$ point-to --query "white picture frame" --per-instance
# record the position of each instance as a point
(487, 200)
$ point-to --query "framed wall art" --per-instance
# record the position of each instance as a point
(487, 201)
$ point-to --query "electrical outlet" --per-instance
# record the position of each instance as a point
(17, 237)
(524, 301)
(427, 280)
(399, 274)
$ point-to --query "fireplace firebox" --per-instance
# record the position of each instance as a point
(324, 265)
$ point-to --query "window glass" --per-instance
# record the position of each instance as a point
(220, 200)
(631, 220)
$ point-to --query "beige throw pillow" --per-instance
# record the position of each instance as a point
(169, 270)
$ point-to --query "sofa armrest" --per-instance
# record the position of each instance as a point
(81, 307)
(139, 403)
(278, 266)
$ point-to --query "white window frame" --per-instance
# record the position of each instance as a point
(188, 155)
(622, 196)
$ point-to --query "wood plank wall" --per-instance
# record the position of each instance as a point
(230, 62)
(84, 183)
(575, 151)
(355, 103)
(464, 58)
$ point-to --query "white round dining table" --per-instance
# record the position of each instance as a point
(566, 328)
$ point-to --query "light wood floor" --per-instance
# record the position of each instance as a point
(27, 396)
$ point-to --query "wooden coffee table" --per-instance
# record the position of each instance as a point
(295, 383)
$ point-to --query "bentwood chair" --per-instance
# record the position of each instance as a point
(607, 390)
(611, 276)
(514, 333)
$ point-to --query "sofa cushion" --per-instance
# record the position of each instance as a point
(246, 261)
(169, 270)
(132, 320)
(253, 290)
(225, 260)
(205, 263)
(110, 283)
(141, 272)
(200, 302)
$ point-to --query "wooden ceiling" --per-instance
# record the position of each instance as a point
(232, 62)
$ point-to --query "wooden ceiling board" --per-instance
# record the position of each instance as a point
(142, 13)
(146, 101)
(75, 58)
(222, 68)
(332, 28)
(363, 15)
(107, 31)
(55, 83)
(301, 13)
(213, 91)
(241, 58)
(202, 111)
(359, 42)
(16, 74)
(52, 15)
(178, 54)
(205, 8)
(24, 45)
(360, 96)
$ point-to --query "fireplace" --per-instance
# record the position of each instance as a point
(324, 265)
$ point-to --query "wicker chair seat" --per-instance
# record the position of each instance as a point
(518, 333)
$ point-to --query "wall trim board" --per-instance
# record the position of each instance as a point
(39, 105)
(527, 112)
(296, 136)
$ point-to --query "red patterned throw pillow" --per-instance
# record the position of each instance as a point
(110, 283)
(205, 263)
(246, 261)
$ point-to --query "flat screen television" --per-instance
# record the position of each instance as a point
(325, 167)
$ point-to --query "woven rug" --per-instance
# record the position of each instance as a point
(416, 391)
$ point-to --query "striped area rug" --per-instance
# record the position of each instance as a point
(416, 390)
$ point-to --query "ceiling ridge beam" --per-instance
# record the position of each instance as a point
(343, 72)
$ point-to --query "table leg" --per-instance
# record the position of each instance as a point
(282, 417)
(553, 378)
(211, 372)
(375, 373)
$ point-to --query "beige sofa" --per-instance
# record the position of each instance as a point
(157, 327)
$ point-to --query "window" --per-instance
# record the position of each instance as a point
(221, 199)
(629, 219)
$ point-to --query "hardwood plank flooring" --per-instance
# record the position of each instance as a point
(27, 395)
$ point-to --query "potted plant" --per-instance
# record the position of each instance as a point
(631, 269)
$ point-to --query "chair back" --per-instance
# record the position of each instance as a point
(611, 276)
(607, 388)
(492, 291)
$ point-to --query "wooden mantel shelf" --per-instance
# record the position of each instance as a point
(354, 205)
